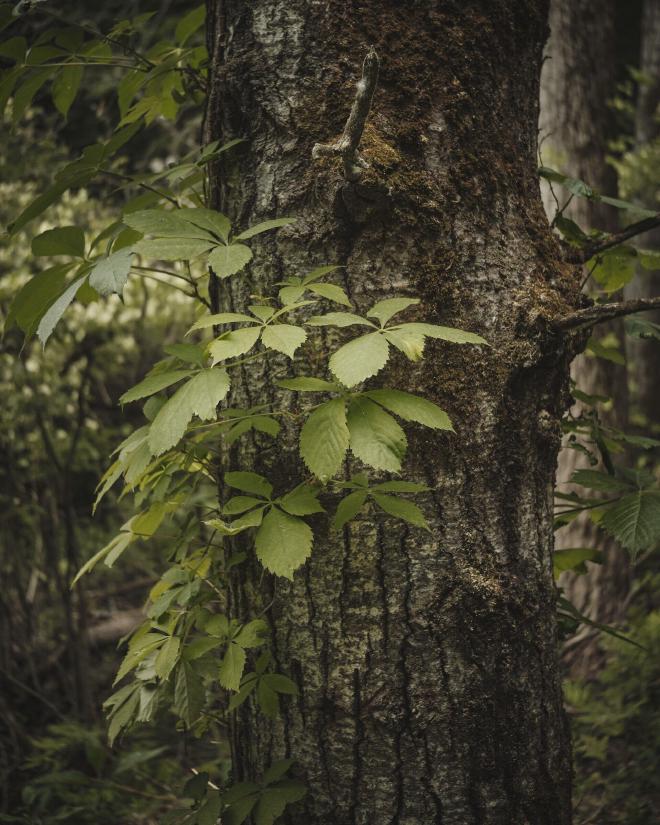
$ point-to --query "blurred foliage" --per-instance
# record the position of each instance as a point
(616, 724)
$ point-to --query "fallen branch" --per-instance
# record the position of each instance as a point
(605, 312)
(581, 256)
(347, 145)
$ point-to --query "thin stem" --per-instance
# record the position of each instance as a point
(167, 283)
(599, 313)
(581, 256)
(143, 185)
(164, 272)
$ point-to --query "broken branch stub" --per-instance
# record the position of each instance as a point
(347, 145)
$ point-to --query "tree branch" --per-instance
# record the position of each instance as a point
(581, 256)
(347, 145)
(605, 312)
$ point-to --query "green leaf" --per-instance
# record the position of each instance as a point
(172, 249)
(456, 336)
(233, 343)
(187, 26)
(283, 543)
(291, 294)
(265, 226)
(245, 690)
(411, 344)
(615, 268)
(634, 520)
(595, 480)
(241, 800)
(384, 310)
(167, 657)
(262, 311)
(231, 667)
(401, 508)
(412, 408)
(65, 240)
(338, 319)
(601, 350)
(164, 223)
(56, 310)
(190, 353)
(376, 438)
(208, 219)
(284, 338)
(253, 634)
(324, 439)
(124, 715)
(274, 800)
(319, 272)
(637, 327)
(228, 260)
(65, 88)
(359, 359)
(110, 553)
(348, 508)
(574, 558)
(575, 185)
(329, 291)
(36, 296)
(280, 684)
(301, 501)
(110, 274)
(649, 259)
(25, 93)
(249, 483)
(240, 504)
(209, 812)
(153, 384)
(188, 693)
(199, 396)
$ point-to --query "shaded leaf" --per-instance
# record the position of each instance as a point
(65, 240)
(110, 274)
(324, 439)
(412, 408)
(199, 396)
(230, 259)
(283, 543)
(375, 437)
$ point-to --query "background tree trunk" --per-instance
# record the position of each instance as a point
(644, 356)
(427, 664)
(577, 82)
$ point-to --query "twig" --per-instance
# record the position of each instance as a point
(605, 312)
(581, 256)
(347, 145)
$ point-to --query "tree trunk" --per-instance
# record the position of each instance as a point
(644, 356)
(577, 82)
(427, 663)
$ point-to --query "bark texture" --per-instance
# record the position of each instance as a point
(427, 663)
(577, 81)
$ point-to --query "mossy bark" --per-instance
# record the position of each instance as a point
(427, 663)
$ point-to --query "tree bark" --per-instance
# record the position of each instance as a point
(427, 663)
(577, 82)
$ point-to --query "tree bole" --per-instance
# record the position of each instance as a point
(427, 663)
